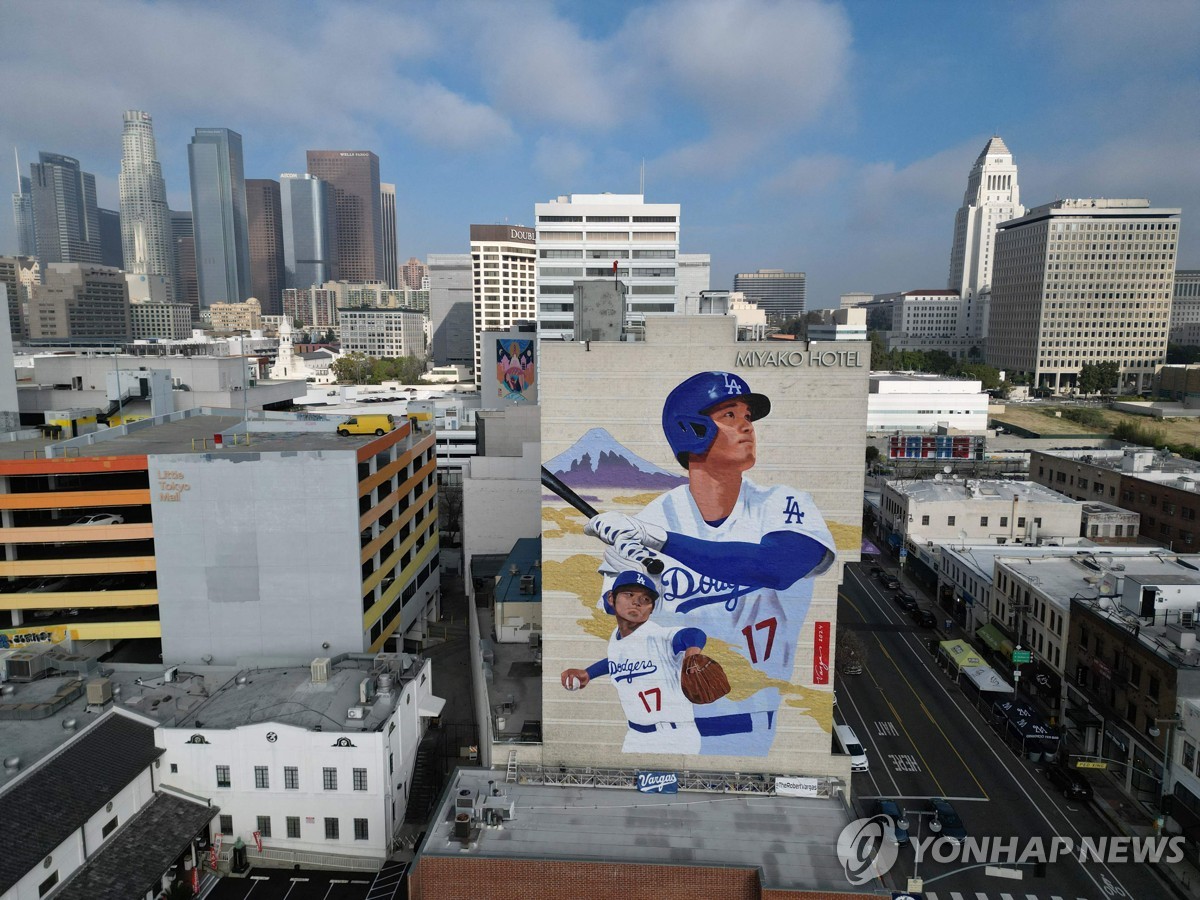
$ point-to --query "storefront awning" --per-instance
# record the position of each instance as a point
(961, 653)
(990, 636)
(432, 706)
(986, 679)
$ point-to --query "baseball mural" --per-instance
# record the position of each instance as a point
(694, 598)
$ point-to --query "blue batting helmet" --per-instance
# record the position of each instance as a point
(685, 421)
(630, 578)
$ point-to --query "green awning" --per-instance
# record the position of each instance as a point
(989, 634)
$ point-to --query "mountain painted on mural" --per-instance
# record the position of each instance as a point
(596, 460)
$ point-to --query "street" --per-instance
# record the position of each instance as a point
(924, 739)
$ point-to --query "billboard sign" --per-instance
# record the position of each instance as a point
(658, 782)
(728, 500)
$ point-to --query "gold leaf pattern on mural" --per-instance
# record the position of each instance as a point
(638, 500)
(577, 575)
(846, 537)
(568, 520)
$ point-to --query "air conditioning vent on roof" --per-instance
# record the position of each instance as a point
(320, 670)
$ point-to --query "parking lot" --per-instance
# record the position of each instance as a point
(307, 884)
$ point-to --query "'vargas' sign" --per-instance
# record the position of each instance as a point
(658, 782)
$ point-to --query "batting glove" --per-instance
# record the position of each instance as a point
(615, 527)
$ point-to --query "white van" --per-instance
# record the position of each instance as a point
(851, 746)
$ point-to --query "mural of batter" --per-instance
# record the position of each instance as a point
(740, 559)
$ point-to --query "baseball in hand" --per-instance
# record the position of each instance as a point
(573, 683)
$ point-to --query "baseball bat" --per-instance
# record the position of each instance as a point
(653, 565)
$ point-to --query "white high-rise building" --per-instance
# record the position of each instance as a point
(146, 239)
(504, 274)
(992, 197)
(1082, 282)
(580, 236)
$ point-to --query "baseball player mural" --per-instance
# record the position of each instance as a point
(738, 559)
(659, 673)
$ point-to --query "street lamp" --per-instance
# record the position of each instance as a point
(1154, 731)
(915, 883)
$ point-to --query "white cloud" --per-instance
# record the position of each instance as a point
(810, 175)
(759, 65)
(561, 161)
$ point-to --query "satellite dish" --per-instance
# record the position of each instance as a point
(947, 469)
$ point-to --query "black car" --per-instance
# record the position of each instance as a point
(905, 601)
(1071, 782)
(947, 818)
(877, 571)
(923, 617)
(890, 583)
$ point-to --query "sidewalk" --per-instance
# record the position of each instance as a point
(1122, 814)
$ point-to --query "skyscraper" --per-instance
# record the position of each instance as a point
(387, 199)
(309, 230)
(219, 215)
(992, 197)
(145, 219)
(110, 239)
(779, 294)
(415, 274)
(183, 243)
(354, 178)
(66, 221)
(265, 222)
(1049, 318)
(23, 213)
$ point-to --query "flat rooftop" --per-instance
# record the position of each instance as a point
(288, 695)
(998, 491)
(210, 694)
(792, 840)
(1062, 579)
(515, 688)
(191, 434)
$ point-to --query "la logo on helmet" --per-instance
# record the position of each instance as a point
(732, 385)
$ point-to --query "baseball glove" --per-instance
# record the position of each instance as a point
(703, 680)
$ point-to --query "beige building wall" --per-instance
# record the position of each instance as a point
(812, 441)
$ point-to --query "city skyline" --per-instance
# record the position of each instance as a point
(839, 140)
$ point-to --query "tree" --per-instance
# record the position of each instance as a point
(850, 648)
(352, 368)
(450, 508)
(872, 454)
(1097, 377)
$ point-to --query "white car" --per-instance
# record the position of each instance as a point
(101, 519)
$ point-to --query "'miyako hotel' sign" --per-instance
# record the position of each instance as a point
(798, 359)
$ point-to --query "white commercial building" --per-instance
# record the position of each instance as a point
(310, 758)
(843, 325)
(581, 236)
(694, 271)
(382, 333)
(504, 277)
(1082, 282)
(992, 196)
(937, 320)
(1185, 308)
(914, 402)
(164, 321)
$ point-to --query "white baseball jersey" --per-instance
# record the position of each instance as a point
(645, 670)
(762, 624)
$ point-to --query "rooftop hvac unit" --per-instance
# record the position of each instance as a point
(25, 665)
(366, 690)
(528, 586)
(99, 691)
(464, 801)
(320, 670)
(356, 712)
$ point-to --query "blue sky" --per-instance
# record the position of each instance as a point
(832, 138)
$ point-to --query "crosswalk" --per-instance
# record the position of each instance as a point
(969, 895)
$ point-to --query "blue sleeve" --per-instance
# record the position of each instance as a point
(778, 562)
(688, 637)
(598, 668)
